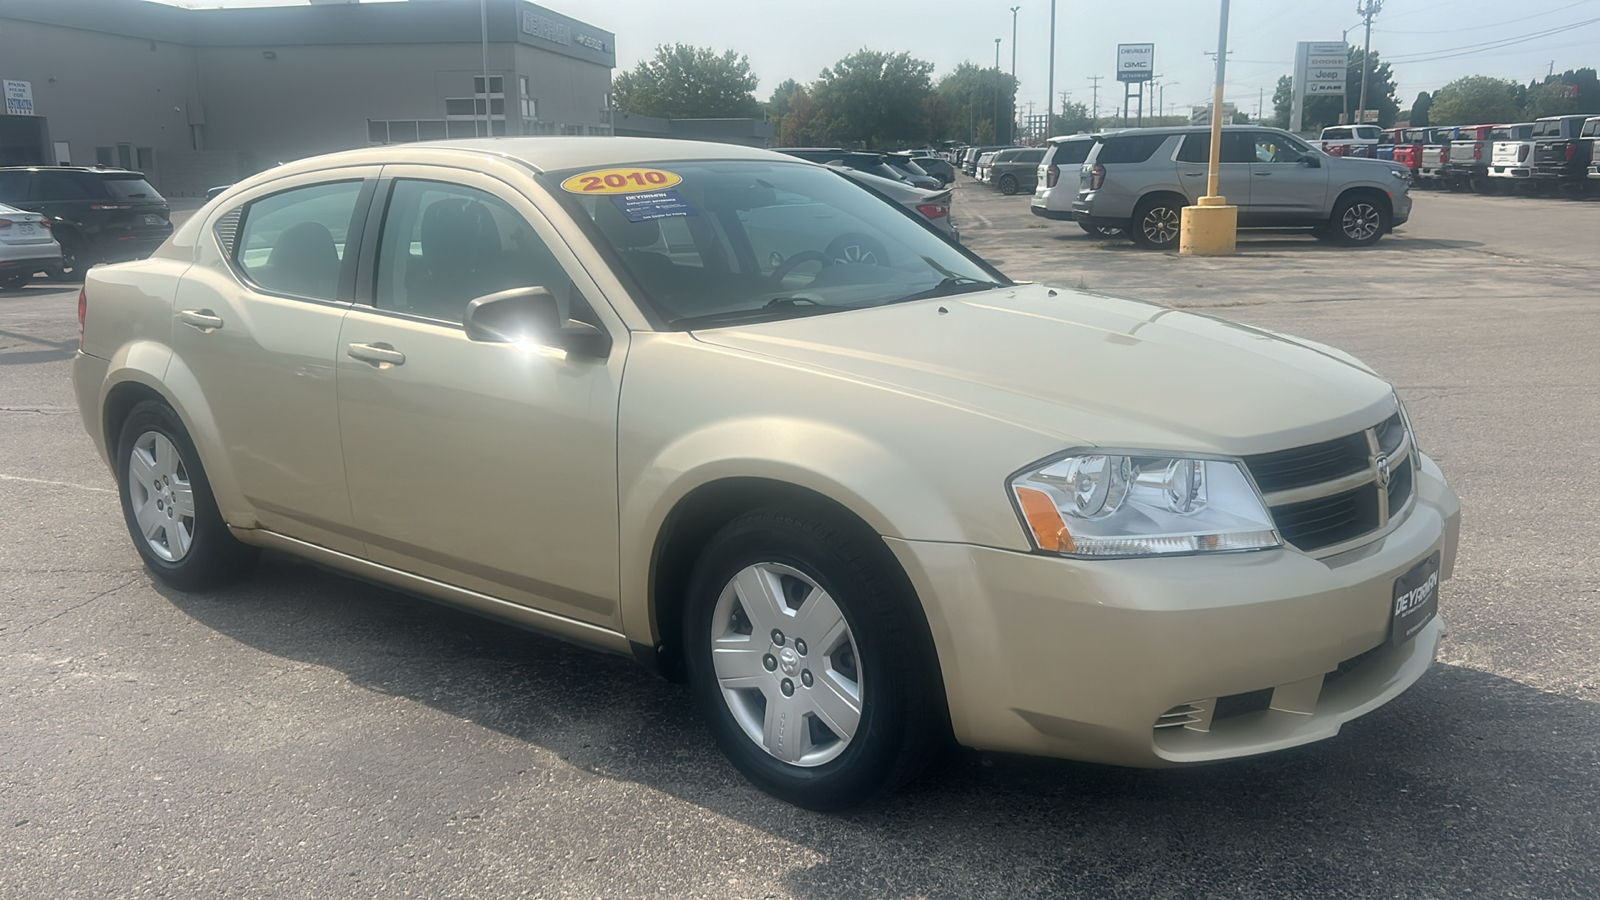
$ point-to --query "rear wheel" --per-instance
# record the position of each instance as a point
(1008, 184)
(168, 506)
(1359, 220)
(1156, 223)
(804, 659)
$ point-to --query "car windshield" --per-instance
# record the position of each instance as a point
(718, 242)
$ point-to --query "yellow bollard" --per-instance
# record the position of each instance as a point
(1208, 229)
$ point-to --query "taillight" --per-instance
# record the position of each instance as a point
(1097, 177)
(44, 223)
(5, 223)
(83, 313)
(934, 210)
(1522, 153)
(1477, 151)
(1051, 176)
(1572, 150)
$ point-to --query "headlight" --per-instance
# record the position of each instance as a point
(1103, 505)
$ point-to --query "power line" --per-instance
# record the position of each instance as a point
(1470, 49)
(1516, 21)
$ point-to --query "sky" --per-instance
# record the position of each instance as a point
(1429, 42)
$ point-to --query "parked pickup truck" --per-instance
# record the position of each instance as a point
(1467, 168)
(1408, 149)
(1559, 150)
(1591, 134)
(1435, 155)
(1387, 143)
(1512, 155)
(1349, 140)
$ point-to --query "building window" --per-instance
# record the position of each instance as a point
(125, 155)
(572, 129)
(462, 128)
(497, 85)
(402, 131)
(530, 105)
(147, 159)
(102, 156)
(459, 106)
(431, 130)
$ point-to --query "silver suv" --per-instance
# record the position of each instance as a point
(1141, 179)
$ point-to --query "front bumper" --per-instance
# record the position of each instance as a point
(1079, 658)
(1594, 171)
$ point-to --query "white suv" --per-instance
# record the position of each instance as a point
(1057, 186)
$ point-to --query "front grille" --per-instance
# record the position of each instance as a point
(1326, 521)
(1332, 492)
(1287, 469)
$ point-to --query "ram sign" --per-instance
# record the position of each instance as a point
(1136, 62)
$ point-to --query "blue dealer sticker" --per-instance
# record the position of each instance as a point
(654, 205)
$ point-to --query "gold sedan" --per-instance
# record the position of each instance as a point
(737, 417)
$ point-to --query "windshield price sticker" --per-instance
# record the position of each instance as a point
(656, 205)
(620, 181)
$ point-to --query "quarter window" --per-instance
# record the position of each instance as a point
(294, 242)
(58, 186)
(1277, 148)
(444, 245)
(1133, 148)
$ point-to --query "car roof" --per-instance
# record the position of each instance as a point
(92, 170)
(542, 154)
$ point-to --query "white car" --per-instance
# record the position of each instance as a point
(1057, 184)
(26, 247)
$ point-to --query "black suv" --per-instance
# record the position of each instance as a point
(98, 215)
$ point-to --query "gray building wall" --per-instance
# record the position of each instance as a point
(265, 85)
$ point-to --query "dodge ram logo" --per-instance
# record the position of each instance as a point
(1381, 466)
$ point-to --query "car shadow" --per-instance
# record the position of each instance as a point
(1468, 783)
(1249, 244)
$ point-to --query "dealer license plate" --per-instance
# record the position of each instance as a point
(1416, 599)
(25, 227)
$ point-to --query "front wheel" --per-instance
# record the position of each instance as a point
(1156, 224)
(805, 660)
(168, 506)
(1359, 221)
(1008, 185)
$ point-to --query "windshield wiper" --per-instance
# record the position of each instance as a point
(953, 284)
(772, 310)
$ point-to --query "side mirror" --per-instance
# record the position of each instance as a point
(531, 314)
(1311, 162)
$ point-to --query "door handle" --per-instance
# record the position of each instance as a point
(203, 319)
(1263, 174)
(1194, 174)
(380, 355)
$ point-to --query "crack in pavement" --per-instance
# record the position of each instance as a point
(75, 606)
(81, 487)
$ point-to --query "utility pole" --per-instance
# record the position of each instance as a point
(1050, 83)
(1366, 9)
(1094, 102)
(483, 19)
(997, 90)
(1012, 128)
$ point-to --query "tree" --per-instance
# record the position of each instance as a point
(684, 82)
(790, 111)
(1320, 112)
(872, 98)
(969, 96)
(1421, 109)
(1573, 91)
(1475, 100)
(1074, 118)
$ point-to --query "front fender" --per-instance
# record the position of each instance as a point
(847, 467)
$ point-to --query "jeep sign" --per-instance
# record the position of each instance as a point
(1136, 62)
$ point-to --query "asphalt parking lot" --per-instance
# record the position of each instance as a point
(304, 735)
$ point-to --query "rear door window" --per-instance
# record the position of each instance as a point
(59, 186)
(1132, 148)
(294, 242)
(1236, 148)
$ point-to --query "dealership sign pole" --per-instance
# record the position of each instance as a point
(1320, 70)
(1136, 63)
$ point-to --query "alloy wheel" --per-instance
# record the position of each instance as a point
(787, 665)
(1160, 225)
(161, 495)
(1361, 221)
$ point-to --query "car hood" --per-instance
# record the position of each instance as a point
(1088, 369)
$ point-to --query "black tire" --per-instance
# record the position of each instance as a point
(1008, 185)
(213, 557)
(1359, 220)
(1156, 223)
(1100, 230)
(902, 722)
(15, 282)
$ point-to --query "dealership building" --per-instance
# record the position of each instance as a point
(198, 97)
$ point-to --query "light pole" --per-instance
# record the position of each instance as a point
(997, 90)
(1011, 129)
(1367, 9)
(1211, 226)
(483, 19)
(1050, 83)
